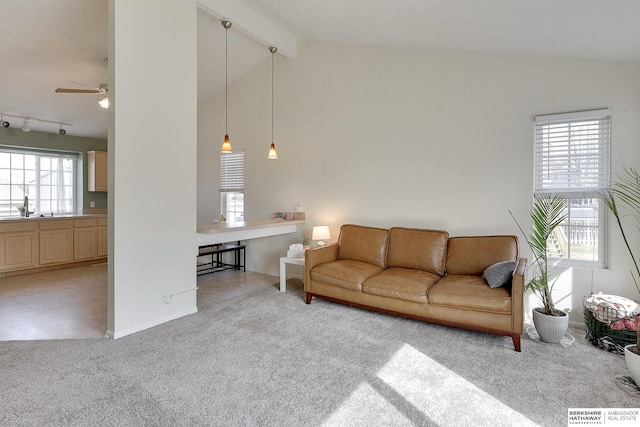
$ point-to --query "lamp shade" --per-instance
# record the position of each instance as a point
(226, 146)
(321, 233)
(272, 152)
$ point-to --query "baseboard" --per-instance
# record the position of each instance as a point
(53, 267)
(111, 334)
(574, 324)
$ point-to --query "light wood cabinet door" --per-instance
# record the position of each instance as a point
(85, 239)
(56, 246)
(18, 250)
(97, 172)
(103, 241)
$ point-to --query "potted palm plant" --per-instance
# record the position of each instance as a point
(627, 191)
(547, 213)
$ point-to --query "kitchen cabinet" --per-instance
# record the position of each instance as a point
(45, 243)
(85, 239)
(56, 242)
(97, 171)
(103, 238)
(18, 246)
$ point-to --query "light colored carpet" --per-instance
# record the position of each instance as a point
(267, 359)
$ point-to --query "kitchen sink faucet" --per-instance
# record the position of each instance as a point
(26, 206)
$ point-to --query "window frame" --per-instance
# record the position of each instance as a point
(232, 183)
(73, 156)
(587, 181)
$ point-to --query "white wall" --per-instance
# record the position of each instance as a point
(152, 162)
(414, 137)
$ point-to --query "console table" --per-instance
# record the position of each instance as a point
(222, 232)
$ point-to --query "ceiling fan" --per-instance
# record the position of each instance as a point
(103, 89)
(100, 90)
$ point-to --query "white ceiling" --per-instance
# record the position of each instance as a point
(49, 44)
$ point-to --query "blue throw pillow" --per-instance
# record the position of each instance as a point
(499, 274)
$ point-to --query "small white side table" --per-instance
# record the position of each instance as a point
(283, 270)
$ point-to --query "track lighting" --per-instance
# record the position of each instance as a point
(27, 119)
(226, 145)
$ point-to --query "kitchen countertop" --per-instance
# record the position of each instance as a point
(222, 226)
(49, 217)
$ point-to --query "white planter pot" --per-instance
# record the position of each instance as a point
(550, 329)
(633, 363)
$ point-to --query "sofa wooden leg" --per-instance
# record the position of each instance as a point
(308, 297)
(516, 341)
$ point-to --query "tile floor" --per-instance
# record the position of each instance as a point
(72, 303)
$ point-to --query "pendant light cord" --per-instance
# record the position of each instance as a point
(272, 54)
(226, 78)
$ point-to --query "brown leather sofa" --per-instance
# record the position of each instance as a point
(421, 274)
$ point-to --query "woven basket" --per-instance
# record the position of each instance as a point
(601, 335)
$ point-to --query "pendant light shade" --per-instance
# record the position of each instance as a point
(272, 151)
(226, 145)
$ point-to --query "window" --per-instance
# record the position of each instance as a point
(232, 185)
(572, 157)
(46, 178)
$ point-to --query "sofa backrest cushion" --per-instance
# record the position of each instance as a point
(419, 249)
(472, 255)
(365, 244)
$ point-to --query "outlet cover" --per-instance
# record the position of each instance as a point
(92, 204)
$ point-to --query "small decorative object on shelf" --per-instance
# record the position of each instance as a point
(288, 216)
(21, 209)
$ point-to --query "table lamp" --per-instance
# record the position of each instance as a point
(320, 233)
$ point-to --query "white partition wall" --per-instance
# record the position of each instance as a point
(152, 162)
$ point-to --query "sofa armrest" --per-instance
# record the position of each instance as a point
(319, 255)
(517, 296)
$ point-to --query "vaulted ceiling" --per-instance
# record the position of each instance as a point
(45, 45)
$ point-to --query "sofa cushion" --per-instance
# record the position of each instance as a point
(365, 244)
(499, 274)
(472, 255)
(469, 292)
(401, 283)
(344, 273)
(416, 248)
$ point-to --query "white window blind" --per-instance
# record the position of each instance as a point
(232, 172)
(572, 151)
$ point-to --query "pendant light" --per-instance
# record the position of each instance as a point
(226, 145)
(272, 151)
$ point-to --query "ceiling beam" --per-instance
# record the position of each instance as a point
(251, 24)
